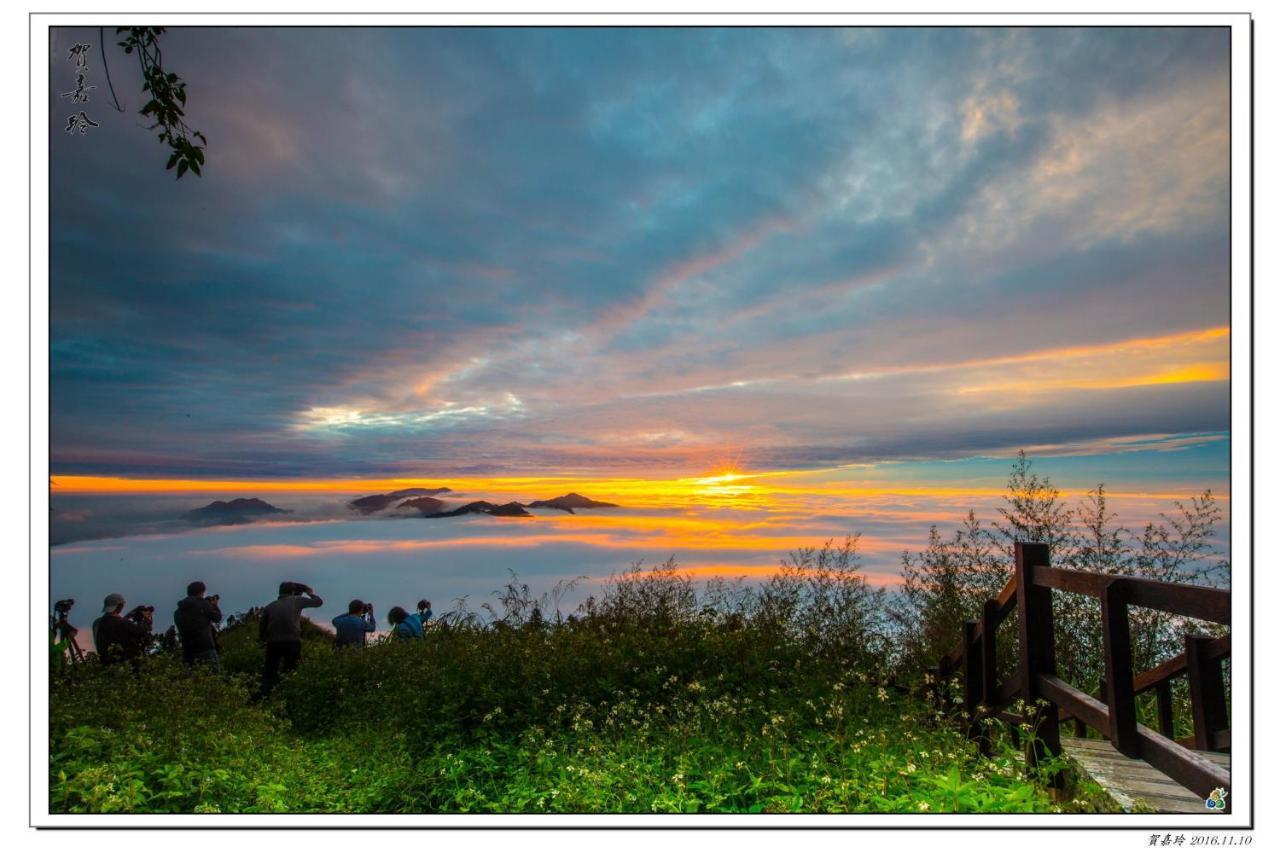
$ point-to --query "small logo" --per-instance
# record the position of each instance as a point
(1217, 801)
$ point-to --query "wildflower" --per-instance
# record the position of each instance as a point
(882, 694)
(922, 806)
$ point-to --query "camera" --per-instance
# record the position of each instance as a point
(214, 598)
(141, 614)
(368, 608)
(62, 607)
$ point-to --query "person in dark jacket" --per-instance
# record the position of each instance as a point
(195, 619)
(280, 628)
(115, 637)
(353, 625)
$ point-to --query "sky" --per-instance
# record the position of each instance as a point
(759, 286)
(657, 252)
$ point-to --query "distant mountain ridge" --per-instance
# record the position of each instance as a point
(237, 511)
(508, 510)
(377, 503)
(570, 502)
(426, 502)
(426, 505)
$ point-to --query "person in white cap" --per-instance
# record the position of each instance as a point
(115, 637)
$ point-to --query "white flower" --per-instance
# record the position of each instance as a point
(922, 806)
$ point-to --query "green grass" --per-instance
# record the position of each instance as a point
(640, 710)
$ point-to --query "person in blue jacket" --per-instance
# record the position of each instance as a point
(405, 625)
(353, 625)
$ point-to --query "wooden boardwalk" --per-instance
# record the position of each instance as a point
(1132, 780)
(1173, 776)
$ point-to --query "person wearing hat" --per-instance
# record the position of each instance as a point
(115, 637)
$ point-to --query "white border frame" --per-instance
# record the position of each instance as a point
(1241, 435)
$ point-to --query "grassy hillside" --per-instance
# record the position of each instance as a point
(649, 700)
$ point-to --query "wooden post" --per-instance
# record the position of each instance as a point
(1208, 693)
(1122, 712)
(1164, 708)
(973, 686)
(990, 685)
(1035, 641)
(972, 668)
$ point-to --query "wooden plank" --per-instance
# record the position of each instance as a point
(1197, 602)
(1160, 674)
(1219, 744)
(1174, 667)
(1189, 768)
(1131, 782)
(1076, 702)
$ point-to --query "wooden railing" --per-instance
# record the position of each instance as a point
(1029, 594)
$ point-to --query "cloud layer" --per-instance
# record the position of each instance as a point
(505, 250)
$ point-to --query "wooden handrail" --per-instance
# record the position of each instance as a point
(1196, 602)
(1172, 668)
(1114, 715)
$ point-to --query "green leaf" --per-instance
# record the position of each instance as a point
(182, 168)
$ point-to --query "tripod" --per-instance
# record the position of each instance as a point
(64, 638)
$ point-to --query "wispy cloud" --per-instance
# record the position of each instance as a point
(485, 251)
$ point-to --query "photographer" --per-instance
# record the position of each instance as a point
(118, 638)
(280, 628)
(64, 633)
(405, 625)
(196, 619)
(353, 625)
(424, 612)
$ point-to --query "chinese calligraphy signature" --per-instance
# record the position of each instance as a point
(79, 122)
